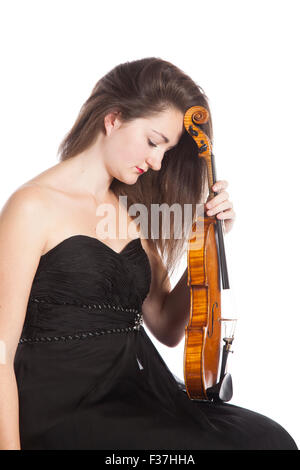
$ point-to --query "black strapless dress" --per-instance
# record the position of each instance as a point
(88, 375)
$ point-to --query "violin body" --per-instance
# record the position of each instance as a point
(204, 358)
(203, 334)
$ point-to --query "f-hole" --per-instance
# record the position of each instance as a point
(211, 326)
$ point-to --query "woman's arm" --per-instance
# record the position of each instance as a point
(23, 232)
(176, 311)
(9, 409)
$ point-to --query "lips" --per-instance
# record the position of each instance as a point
(139, 169)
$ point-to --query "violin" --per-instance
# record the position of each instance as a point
(205, 361)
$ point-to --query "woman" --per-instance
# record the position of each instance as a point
(79, 364)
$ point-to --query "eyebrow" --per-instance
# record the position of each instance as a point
(163, 136)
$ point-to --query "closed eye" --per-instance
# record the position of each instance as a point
(151, 143)
(154, 145)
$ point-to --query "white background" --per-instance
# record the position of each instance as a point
(245, 55)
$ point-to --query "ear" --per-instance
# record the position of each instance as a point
(112, 121)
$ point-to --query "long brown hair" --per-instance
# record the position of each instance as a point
(139, 89)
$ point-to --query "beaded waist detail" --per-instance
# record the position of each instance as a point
(89, 306)
(138, 321)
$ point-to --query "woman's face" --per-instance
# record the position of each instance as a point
(140, 143)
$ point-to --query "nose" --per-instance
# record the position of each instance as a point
(154, 162)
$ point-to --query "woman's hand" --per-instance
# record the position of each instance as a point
(221, 206)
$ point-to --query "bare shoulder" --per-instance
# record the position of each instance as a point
(38, 197)
(25, 210)
(28, 197)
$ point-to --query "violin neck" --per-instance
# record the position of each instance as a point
(221, 255)
(212, 177)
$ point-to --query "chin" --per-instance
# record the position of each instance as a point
(129, 180)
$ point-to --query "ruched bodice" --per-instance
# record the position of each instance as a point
(88, 375)
(83, 284)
